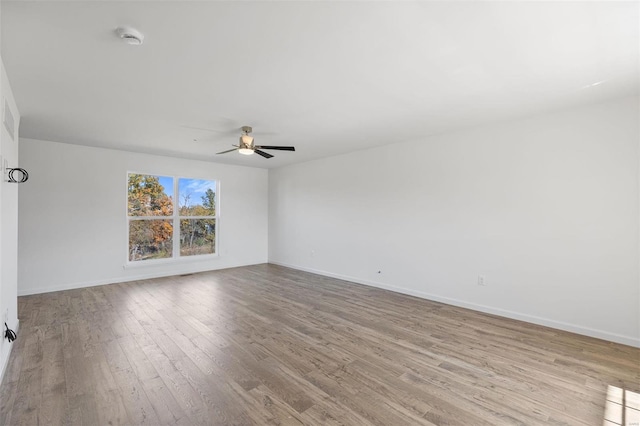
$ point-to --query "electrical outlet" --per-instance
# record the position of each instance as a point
(481, 280)
(313, 253)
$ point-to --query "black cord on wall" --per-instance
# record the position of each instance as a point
(24, 176)
(9, 334)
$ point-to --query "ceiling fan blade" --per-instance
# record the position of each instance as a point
(203, 128)
(264, 154)
(279, 148)
(224, 152)
(216, 132)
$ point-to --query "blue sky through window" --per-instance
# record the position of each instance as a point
(167, 182)
(196, 189)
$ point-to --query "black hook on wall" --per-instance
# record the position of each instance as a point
(12, 178)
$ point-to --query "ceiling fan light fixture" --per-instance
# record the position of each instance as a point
(246, 145)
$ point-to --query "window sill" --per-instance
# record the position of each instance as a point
(169, 262)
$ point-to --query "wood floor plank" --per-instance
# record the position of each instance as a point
(266, 408)
(266, 344)
(185, 395)
(83, 410)
(136, 403)
(28, 397)
(137, 359)
(53, 409)
(233, 368)
(268, 374)
(111, 409)
(165, 405)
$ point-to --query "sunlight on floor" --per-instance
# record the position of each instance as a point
(622, 407)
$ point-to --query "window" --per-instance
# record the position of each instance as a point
(197, 216)
(160, 228)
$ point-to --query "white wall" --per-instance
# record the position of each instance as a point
(8, 222)
(73, 229)
(545, 208)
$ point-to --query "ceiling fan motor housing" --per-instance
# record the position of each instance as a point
(246, 141)
(246, 145)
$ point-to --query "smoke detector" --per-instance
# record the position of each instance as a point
(130, 35)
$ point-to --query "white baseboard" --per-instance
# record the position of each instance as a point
(560, 325)
(6, 361)
(145, 276)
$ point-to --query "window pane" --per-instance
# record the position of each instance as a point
(150, 195)
(197, 236)
(197, 197)
(150, 239)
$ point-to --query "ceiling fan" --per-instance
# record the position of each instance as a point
(247, 147)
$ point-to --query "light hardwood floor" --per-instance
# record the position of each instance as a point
(270, 345)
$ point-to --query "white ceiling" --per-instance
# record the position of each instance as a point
(327, 77)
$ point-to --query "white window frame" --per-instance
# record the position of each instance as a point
(175, 218)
